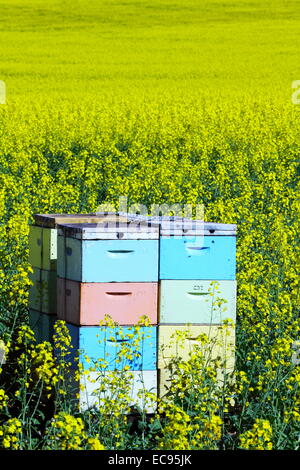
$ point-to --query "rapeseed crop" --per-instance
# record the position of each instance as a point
(162, 102)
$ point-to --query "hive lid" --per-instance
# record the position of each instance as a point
(52, 220)
(167, 225)
(110, 230)
(183, 226)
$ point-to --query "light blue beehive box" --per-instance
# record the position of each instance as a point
(87, 254)
(192, 249)
(105, 343)
(206, 251)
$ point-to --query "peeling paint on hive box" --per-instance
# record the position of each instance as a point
(88, 303)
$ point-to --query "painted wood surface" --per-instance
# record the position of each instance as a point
(106, 343)
(88, 303)
(42, 294)
(42, 325)
(43, 248)
(184, 226)
(52, 220)
(208, 257)
(139, 382)
(165, 380)
(220, 344)
(110, 230)
(108, 260)
(196, 301)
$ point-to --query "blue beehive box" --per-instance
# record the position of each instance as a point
(86, 254)
(105, 344)
(191, 249)
(208, 257)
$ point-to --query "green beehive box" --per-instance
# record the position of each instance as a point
(43, 247)
(197, 302)
(42, 293)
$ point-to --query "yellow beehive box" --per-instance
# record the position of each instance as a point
(181, 340)
(166, 384)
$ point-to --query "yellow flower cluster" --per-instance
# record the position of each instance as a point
(259, 437)
(25, 336)
(67, 432)
(10, 433)
(177, 429)
(209, 434)
(3, 399)
(239, 160)
(95, 444)
(44, 364)
(62, 338)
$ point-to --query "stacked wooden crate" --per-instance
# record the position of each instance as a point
(110, 269)
(43, 259)
(197, 287)
(197, 267)
(126, 266)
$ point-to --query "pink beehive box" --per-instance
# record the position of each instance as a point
(88, 303)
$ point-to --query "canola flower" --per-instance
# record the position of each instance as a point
(3, 399)
(239, 160)
(67, 432)
(259, 437)
(10, 434)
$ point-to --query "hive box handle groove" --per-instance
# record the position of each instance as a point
(120, 251)
(198, 247)
(198, 293)
(118, 341)
(118, 293)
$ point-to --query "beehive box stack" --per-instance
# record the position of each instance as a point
(43, 259)
(197, 287)
(171, 269)
(110, 269)
(197, 267)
